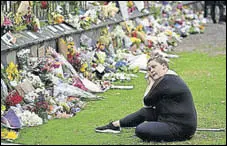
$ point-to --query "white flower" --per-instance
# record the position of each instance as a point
(30, 119)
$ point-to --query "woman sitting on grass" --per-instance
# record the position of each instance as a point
(168, 114)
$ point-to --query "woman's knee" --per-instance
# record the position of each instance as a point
(143, 132)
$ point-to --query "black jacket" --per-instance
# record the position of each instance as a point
(173, 102)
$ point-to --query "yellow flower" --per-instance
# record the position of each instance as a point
(11, 135)
(63, 41)
(86, 73)
(5, 134)
(130, 4)
(10, 77)
(69, 46)
(3, 108)
(201, 27)
(102, 47)
(135, 40)
(139, 27)
(169, 33)
(83, 67)
(72, 43)
(12, 71)
(87, 18)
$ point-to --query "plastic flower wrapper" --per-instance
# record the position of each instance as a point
(139, 60)
(118, 76)
(78, 83)
(4, 91)
(69, 90)
(91, 86)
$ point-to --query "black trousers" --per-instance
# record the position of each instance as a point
(213, 4)
(149, 129)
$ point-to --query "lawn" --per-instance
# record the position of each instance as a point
(204, 74)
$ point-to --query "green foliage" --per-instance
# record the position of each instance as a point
(205, 76)
(156, 11)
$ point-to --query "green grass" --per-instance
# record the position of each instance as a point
(206, 77)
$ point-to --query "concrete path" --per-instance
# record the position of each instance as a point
(212, 41)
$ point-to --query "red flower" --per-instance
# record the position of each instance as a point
(13, 98)
(134, 34)
(150, 43)
(44, 4)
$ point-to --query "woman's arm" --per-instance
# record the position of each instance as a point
(154, 93)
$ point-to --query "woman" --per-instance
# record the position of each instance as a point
(168, 114)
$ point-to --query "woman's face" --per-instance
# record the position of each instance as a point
(156, 70)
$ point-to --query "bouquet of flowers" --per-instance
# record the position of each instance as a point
(74, 21)
(57, 18)
(23, 57)
(41, 104)
(8, 135)
(78, 83)
(85, 22)
(13, 98)
(30, 119)
(41, 107)
(12, 72)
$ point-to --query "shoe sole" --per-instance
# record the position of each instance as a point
(107, 131)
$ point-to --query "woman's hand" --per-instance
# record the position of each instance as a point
(150, 80)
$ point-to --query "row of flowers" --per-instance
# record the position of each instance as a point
(59, 84)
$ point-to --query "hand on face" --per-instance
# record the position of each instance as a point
(156, 70)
